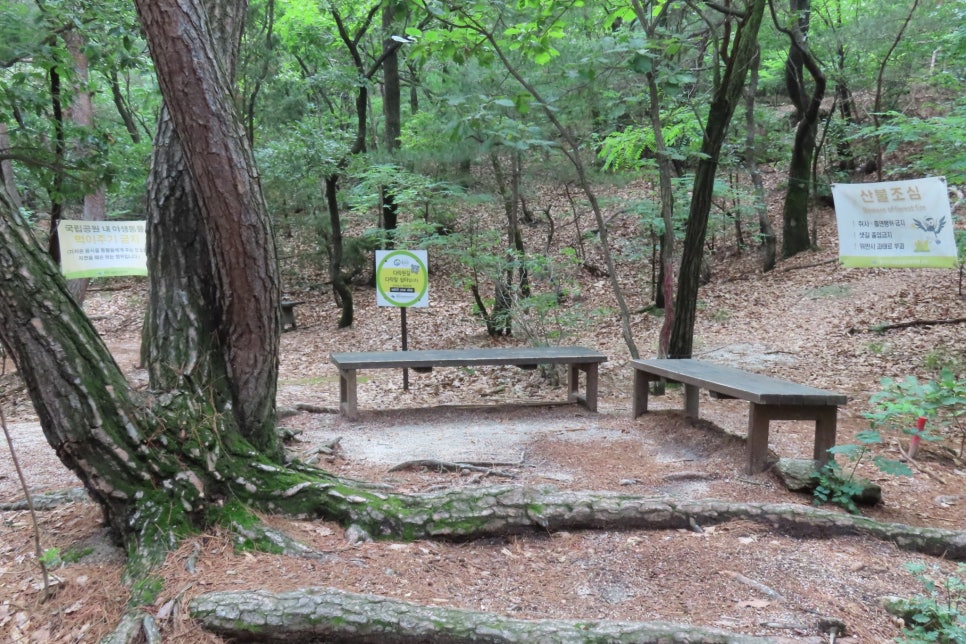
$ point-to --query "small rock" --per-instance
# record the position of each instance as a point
(356, 535)
(799, 475)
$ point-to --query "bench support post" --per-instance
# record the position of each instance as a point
(759, 415)
(758, 419)
(642, 383)
(826, 421)
(347, 393)
(589, 400)
(691, 400)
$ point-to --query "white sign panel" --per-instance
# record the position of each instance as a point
(102, 248)
(402, 278)
(895, 224)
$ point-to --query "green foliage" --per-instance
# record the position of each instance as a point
(51, 559)
(839, 488)
(941, 400)
(937, 615)
(934, 146)
(945, 357)
(895, 407)
(835, 487)
(634, 147)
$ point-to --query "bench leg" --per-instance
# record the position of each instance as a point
(826, 421)
(591, 385)
(573, 382)
(589, 400)
(642, 383)
(691, 400)
(758, 418)
(347, 394)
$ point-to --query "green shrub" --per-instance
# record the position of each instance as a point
(936, 615)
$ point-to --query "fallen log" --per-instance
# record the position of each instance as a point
(324, 614)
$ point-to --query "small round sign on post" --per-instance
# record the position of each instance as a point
(402, 278)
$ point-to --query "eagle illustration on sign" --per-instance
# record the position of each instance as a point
(930, 225)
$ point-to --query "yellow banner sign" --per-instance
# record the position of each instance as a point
(102, 248)
(895, 224)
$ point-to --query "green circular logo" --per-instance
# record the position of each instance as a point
(402, 278)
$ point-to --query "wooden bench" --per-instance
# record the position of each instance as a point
(577, 358)
(770, 398)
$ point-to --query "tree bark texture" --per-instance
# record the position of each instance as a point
(82, 115)
(88, 413)
(321, 614)
(765, 230)
(723, 104)
(195, 81)
(795, 237)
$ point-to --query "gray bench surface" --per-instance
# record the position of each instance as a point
(465, 357)
(737, 383)
(579, 359)
(770, 399)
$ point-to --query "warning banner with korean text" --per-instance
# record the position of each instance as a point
(102, 248)
(895, 224)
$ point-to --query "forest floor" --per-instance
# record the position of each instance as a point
(808, 321)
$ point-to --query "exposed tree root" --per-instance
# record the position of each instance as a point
(135, 626)
(880, 328)
(320, 614)
(466, 514)
(446, 466)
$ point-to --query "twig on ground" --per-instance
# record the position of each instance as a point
(315, 409)
(757, 585)
(813, 265)
(328, 449)
(879, 328)
(919, 468)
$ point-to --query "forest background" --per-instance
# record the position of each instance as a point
(401, 123)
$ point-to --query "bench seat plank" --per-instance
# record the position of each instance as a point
(578, 359)
(523, 356)
(737, 383)
(769, 398)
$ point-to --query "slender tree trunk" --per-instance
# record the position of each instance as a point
(765, 230)
(122, 108)
(572, 150)
(343, 294)
(795, 237)
(56, 199)
(723, 104)
(82, 114)
(665, 174)
(880, 82)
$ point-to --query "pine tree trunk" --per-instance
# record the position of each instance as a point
(234, 215)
